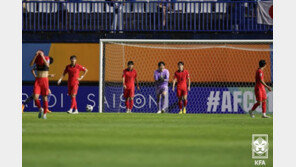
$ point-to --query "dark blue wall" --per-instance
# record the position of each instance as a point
(95, 37)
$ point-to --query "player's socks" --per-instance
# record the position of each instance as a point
(255, 106)
(264, 107)
(253, 109)
(72, 102)
(38, 104)
(185, 103)
(180, 104)
(131, 104)
(75, 104)
(127, 104)
(45, 107)
(264, 110)
(159, 105)
(164, 103)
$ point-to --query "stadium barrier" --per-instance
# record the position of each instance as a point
(220, 100)
(142, 16)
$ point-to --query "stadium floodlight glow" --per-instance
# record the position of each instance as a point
(215, 67)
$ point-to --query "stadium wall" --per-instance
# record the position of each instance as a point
(222, 100)
(79, 37)
(225, 66)
(87, 54)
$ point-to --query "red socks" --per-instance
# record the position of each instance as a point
(185, 103)
(131, 104)
(180, 104)
(73, 103)
(127, 104)
(45, 106)
(37, 102)
(255, 106)
(264, 107)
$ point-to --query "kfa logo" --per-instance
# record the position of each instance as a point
(259, 146)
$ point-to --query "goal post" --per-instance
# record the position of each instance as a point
(222, 73)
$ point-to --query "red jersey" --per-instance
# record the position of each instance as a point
(40, 66)
(73, 73)
(181, 77)
(129, 78)
(39, 61)
(258, 77)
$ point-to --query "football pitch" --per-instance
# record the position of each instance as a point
(138, 139)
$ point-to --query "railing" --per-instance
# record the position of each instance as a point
(144, 16)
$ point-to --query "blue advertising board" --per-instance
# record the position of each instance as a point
(235, 100)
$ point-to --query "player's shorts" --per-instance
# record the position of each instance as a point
(162, 89)
(260, 94)
(72, 89)
(41, 86)
(182, 92)
(129, 92)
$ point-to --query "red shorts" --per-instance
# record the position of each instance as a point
(182, 92)
(72, 89)
(260, 94)
(41, 86)
(129, 93)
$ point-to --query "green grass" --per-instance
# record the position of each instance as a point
(141, 140)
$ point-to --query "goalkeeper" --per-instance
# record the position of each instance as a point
(161, 77)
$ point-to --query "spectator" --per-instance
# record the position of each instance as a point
(161, 9)
(24, 6)
(118, 15)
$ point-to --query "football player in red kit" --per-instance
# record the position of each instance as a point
(129, 77)
(41, 85)
(73, 71)
(29, 99)
(182, 78)
(260, 92)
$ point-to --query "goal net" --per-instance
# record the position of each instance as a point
(222, 73)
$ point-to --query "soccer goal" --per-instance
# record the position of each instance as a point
(222, 73)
